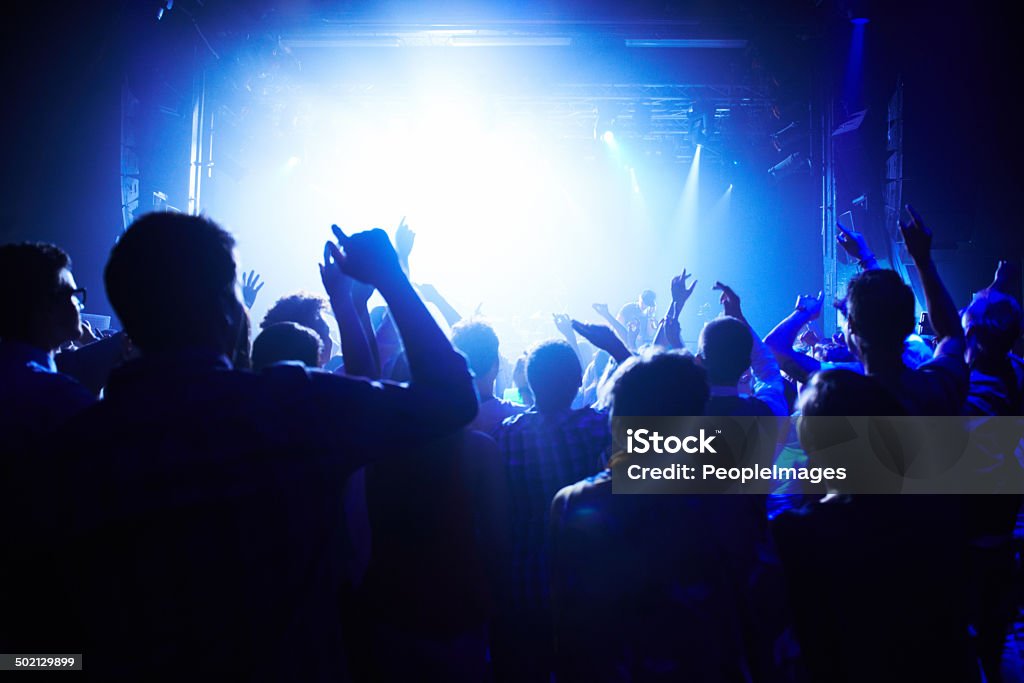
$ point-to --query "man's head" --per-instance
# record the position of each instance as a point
(992, 324)
(648, 300)
(307, 310)
(724, 346)
(171, 279)
(42, 300)
(879, 313)
(659, 383)
(286, 341)
(554, 374)
(840, 392)
(478, 341)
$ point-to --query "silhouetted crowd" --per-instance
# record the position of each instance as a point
(182, 503)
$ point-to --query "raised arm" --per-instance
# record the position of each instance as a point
(668, 333)
(942, 312)
(431, 295)
(440, 396)
(780, 340)
(616, 326)
(856, 246)
(1005, 277)
(358, 351)
(767, 384)
(564, 325)
(405, 238)
(603, 338)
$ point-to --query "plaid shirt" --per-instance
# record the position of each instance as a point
(544, 452)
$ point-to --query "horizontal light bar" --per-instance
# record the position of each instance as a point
(720, 43)
(353, 41)
(510, 41)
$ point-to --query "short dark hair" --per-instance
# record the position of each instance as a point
(659, 383)
(478, 341)
(995, 322)
(648, 297)
(841, 393)
(303, 308)
(170, 278)
(880, 308)
(286, 341)
(554, 374)
(725, 346)
(838, 392)
(28, 274)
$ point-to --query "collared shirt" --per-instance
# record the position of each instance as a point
(544, 452)
(492, 413)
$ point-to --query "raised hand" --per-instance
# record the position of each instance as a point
(680, 292)
(811, 305)
(730, 300)
(810, 337)
(428, 292)
(854, 244)
(251, 286)
(602, 310)
(563, 323)
(916, 236)
(369, 257)
(673, 334)
(404, 240)
(337, 285)
(603, 337)
(1004, 277)
(88, 335)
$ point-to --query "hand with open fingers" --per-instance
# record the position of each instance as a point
(602, 310)
(369, 257)
(853, 243)
(680, 292)
(563, 323)
(811, 305)
(251, 286)
(88, 335)
(730, 300)
(916, 236)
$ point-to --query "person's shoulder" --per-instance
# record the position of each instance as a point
(947, 359)
(477, 440)
(59, 391)
(737, 406)
(630, 309)
(505, 408)
(589, 416)
(519, 420)
(296, 376)
(595, 486)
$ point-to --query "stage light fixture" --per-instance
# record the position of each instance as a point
(792, 165)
